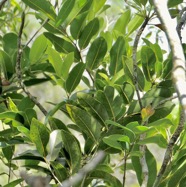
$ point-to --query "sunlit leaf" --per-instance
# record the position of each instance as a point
(74, 77)
(39, 134)
(42, 5)
(88, 32)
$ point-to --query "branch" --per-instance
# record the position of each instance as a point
(2, 3)
(18, 67)
(168, 153)
(134, 54)
(84, 171)
(178, 73)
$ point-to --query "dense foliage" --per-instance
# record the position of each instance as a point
(118, 92)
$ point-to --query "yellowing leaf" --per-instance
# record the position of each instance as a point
(147, 112)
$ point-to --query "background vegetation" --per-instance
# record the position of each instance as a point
(117, 101)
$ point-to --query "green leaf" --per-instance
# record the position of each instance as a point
(8, 152)
(54, 145)
(74, 77)
(122, 22)
(156, 139)
(38, 48)
(10, 115)
(95, 108)
(63, 46)
(134, 23)
(178, 175)
(25, 103)
(167, 69)
(136, 165)
(127, 92)
(12, 105)
(110, 101)
(152, 167)
(88, 32)
(10, 43)
(113, 141)
(143, 2)
(85, 122)
(42, 5)
(6, 65)
(55, 60)
(108, 178)
(108, 38)
(116, 53)
(60, 171)
(80, 7)
(72, 146)
(96, 53)
(13, 183)
(64, 11)
(174, 3)
(148, 60)
(39, 135)
(97, 5)
(66, 65)
(77, 25)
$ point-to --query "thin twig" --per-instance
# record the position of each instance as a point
(135, 75)
(168, 153)
(18, 67)
(75, 179)
(36, 33)
(134, 58)
(2, 3)
(145, 172)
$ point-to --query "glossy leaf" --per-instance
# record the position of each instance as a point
(63, 46)
(152, 167)
(96, 53)
(13, 183)
(134, 23)
(64, 11)
(5, 63)
(55, 60)
(54, 145)
(111, 102)
(116, 53)
(174, 3)
(77, 25)
(127, 92)
(94, 107)
(39, 135)
(37, 50)
(108, 178)
(43, 6)
(88, 32)
(148, 60)
(80, 7)
(85, 122)
(60, 171)
(113, 141)
(74, 77)
(98, 5)
(72, 146)
(178, 175)
(128, 72)
(157, 139)
(122, 22)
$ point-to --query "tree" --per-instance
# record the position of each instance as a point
(123, 93)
